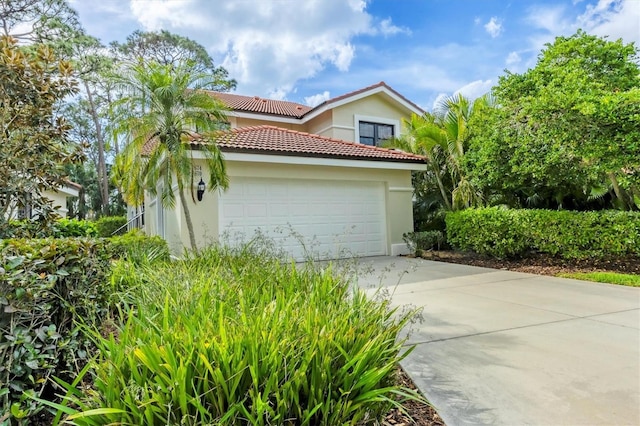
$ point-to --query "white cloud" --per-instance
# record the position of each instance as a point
(471, 91)
(494, 27)
(267, 46)
(475, 89)
(550, 19)
(613, 18)
(513, 58)
(317, 99)
(387, 28)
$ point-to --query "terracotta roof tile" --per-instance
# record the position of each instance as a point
(276, 140)
(262, 105)
(291, 109)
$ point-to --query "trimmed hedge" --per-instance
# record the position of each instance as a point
(108, 225)
(504, 233)
(47, 287)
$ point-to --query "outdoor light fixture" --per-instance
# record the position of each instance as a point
(201, 188)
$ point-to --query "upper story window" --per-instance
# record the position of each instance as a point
(374, 134)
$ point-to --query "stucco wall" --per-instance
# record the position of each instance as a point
(376, 108)
(59, 200)
(322, 124)
(204, 214)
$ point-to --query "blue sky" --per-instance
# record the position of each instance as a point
(309, 50)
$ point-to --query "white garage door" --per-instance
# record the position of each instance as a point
(333, 219)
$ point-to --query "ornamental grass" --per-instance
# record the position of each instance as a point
(236, 336)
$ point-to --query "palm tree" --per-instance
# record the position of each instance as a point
(442, 137)
(162, 108)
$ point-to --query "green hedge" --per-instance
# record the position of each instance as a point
(61, 228)
(47, 287)
(504, 233)
(108, 225)
(138, 248)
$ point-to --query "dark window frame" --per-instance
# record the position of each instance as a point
(374, 140)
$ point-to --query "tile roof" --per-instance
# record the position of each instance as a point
(279, 141)
(262, 105)
(366, 89)
(291, 109)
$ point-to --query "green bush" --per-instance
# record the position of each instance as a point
(138, 248)
(425, 240)
(233, 337)
(46, 287)
(66, 228)
(108, 225)
(503, 233)
(61, 228)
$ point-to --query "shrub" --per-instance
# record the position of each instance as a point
(108, 225)
(138, 248)
(61, 228)
(46, 286)
(425, 240)
(573, 235)
(236, 337)
(66, 228)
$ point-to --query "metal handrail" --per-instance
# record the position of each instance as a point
(136, 217)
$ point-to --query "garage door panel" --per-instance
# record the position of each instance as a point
(333, 217)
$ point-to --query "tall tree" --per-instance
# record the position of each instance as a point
(163, 108)
(94, 68)
(565, 126)
(33, 141)
(51, 22)
(171, 49)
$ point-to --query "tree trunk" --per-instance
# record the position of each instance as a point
(443, 192)
(103, 179)
(81, 204)
(187, 218)
(116, 143)
(618, 191)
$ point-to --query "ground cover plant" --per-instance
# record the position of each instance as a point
(605, 277)
(236, 336)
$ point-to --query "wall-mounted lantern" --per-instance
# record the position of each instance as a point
(201, 188)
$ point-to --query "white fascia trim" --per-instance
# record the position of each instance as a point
(316, 161)
(353, 98)
(378, 120)
(68, 191)
(332, 105)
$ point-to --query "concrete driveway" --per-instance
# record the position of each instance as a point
(506, 348)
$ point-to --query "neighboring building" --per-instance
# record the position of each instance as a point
(318, 172)
(58, 199)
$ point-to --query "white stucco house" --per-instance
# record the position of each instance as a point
(319, 172)
(57, 197)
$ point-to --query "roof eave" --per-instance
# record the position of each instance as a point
(319, 155)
